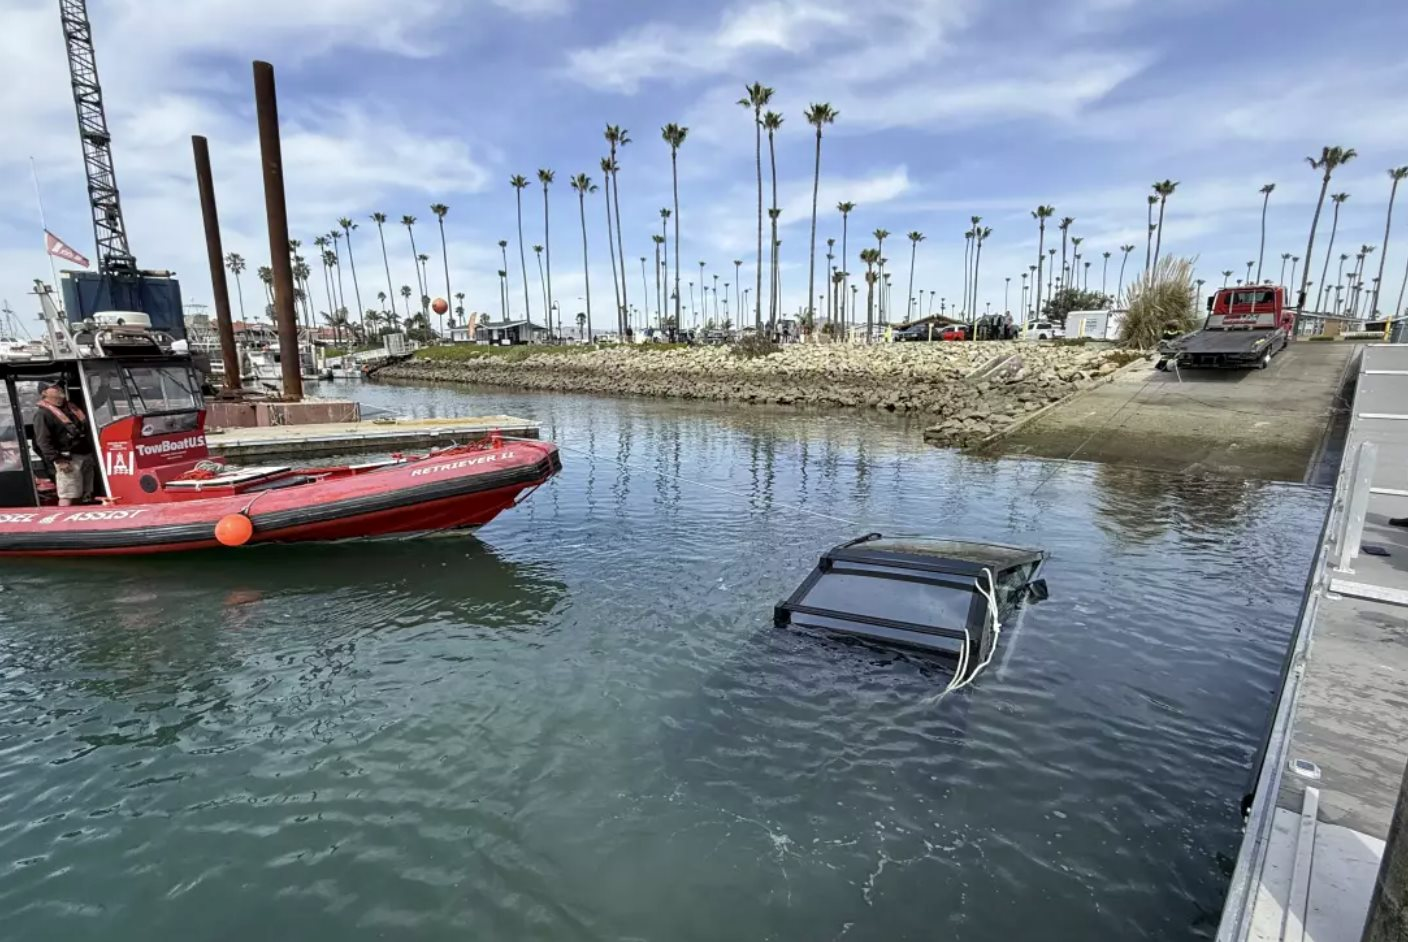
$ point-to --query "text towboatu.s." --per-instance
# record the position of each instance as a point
(159, 490)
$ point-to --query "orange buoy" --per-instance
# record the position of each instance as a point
(234, 530)
(439, 305)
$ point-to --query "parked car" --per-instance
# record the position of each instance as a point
(916, 332)
(955, 332)
(1040, 330)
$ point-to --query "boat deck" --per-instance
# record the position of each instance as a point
(346, 438)
(1327, 790)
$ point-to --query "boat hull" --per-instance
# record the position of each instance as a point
(437, 493)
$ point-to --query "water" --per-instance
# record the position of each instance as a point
(581, 724)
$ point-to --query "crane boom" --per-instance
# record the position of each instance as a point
(109, 230)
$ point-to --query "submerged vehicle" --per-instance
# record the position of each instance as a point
(1246, 326)
(159, 490)
(950, 597)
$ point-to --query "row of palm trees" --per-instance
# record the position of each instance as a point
(839, 300)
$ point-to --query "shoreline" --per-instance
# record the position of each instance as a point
(970, 391)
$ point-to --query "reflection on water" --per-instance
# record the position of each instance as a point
(581, 724)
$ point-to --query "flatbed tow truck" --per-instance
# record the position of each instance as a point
(1245, 328)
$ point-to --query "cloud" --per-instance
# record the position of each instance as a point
(745, 33)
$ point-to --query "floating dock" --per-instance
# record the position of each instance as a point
(1334, 759)
(346, 438)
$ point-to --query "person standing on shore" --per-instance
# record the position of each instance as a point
(61, 436)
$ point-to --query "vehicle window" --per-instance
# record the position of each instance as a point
(163, 389)
(108, 396)
(920, 603)
(1259, 298)
(11, 457)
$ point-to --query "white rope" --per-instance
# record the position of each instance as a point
(959, 680)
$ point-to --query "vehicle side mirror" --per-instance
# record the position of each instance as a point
(1210, 297)
(1037, 590)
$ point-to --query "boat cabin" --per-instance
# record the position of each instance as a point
(145, 415)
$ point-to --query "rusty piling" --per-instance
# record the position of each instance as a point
(271, 152)
(218, 286)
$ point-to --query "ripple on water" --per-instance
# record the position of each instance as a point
(583, 725)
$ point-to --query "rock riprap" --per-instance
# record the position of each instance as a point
(971, 390)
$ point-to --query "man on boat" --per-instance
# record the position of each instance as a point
(61, 435)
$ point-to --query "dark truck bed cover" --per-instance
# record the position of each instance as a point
(1232, 348)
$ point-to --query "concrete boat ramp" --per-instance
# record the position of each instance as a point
(1333, 763)
(344, 438)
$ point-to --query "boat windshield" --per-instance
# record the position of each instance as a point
(119, 390)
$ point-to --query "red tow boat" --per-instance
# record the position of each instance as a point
(161, 491)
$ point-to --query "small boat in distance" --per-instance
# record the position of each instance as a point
(159, 490)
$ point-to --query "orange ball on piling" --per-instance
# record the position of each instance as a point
(439, 305)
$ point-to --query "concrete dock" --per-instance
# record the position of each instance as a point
(346, 438)
(1334, 760)
(1261, 424)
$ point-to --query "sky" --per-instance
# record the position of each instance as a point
(947, 109)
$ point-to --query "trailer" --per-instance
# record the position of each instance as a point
(1246, 326)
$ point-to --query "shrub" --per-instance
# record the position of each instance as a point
(755, 345)
(1161, 299)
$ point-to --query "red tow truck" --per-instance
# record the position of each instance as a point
(1246, 326)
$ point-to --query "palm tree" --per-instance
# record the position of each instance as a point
(1261, 252)
(518, 182)
(738, 285)
(1395, 174)
(1075, 260)
(1152, 202)
(440, 209)
(607, 166)
(381, 299)
(336, 238)
(1226, 274)
(674, 135)
(459, 309)
(1163, 189)
(915, 238)
(1338, 199)
(880, 236)
(545, 177)
(870, 257)
(979, 238)
(772, 121)
(1105, 274)
(409, 222)
(968, 264)
(236, 264)
(1285, 257)
(406, 293)
(665, 255)
(845, 210)
(503, 293)
(618, 137)
(659, 241)
(425, 291)
(1295, 260)
(818, 115)
(1040, 214)
(542, 283)
(757, 97)
(1331, 158)
(582, 185)
(1064, 226)
(380, 220)
(266, 276)
(1127, 249)
(347, 227)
